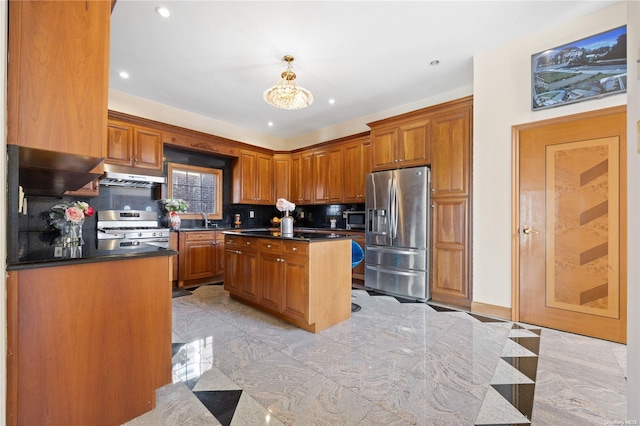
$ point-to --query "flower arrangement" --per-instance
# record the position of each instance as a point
(175, 205)
(285, 206)
(73, 212)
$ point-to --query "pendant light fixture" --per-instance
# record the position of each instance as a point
(287, 94)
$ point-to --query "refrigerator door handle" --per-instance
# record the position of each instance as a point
(395, 251)
(393, 207)
(394, 271)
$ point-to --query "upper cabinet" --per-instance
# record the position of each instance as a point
(356, 165)
(133, 146)
(58, 87)
(302, 188)
(253, 178)
(282, 176)
(400, 142)
(329, 179)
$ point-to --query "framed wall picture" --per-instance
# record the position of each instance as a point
(589, 68)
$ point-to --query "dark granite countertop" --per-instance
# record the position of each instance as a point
(299, 235)
(34, 251)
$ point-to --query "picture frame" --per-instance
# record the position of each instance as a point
(589, 68)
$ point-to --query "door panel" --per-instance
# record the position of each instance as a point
(572, 225)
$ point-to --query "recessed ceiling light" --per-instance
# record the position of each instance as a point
(435, 62)
(163, 11)
(270, 124)
(123, 74)
(332, 101)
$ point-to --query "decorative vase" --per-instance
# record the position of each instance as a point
(174, 221)
(286, 226)
(71, 234)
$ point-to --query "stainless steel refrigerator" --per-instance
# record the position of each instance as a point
(397, 232)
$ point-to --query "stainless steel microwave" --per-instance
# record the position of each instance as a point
(355, 219)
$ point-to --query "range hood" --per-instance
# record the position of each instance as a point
(131, 180)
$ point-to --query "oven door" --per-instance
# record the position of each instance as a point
(125, 243)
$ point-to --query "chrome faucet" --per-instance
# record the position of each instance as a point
(206, 218)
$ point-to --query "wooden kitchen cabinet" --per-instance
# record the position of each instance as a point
(356, 166)
(198, 261)
(133, 146)
(253, 178)
(302, 188)
(290, 279)
(282, 176)
(84, 335)
(400, 142)
(58, 76)
(451, 204)
(91, 189)
(328, 174)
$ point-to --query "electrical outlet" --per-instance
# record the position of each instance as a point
(252, 214)
(301, 215)
(344, 214)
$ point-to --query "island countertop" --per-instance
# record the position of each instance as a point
(298, 235)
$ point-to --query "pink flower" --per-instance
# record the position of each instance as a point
(89, 212)
(74, 214)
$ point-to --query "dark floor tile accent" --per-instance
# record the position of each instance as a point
(507, 424)
(486, 319)
(175, 348)
(179, 292)
(517, 327)
(222, 404)
(355, 307)
(527, 365)
(531, 343)
(191, 383)
(535, 330)
(520, 395)
(442, 308)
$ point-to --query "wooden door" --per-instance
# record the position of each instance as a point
(383, 148)
(147, 148)
(306, 178)
(219, 254)
(321, 174)
(296, 287)
(271, 281)
(572, 224)
(335, 176)
(249, 262)
(198, 260)
(233, 271)
(264, 179)
(282, 177)
(451, 151)
(353, 187)
(247, 179)
(296, 178)
(119, 144)
(414, 148)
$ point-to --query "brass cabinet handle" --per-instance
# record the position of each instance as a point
(530, 231)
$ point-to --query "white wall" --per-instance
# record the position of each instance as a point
(633, 185)
(502, 98)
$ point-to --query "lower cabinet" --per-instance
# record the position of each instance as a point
(290, 279)
(201, 257)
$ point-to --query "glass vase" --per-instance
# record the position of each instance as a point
(174, 221)
(71, 234)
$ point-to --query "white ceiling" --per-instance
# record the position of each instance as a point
(216, 58)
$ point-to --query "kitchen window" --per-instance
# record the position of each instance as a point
(201, 187)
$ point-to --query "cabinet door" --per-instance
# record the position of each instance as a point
(449, 248)
(282, 177)
(199, 260)
(233, 271)
(91, 189)
(219, 262)
(414, 144)
(307, 180)
(296, 288)
(451, 140)
(335, 176)
(264, 179)
(119, 144)
(271, 281)
(321, 173)
(250, 284)
(147, 145)
(296, 178)
(244, 178)
(356, 160)
(58, 75)
(383, 149)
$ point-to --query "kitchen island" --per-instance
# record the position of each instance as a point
(304, 279)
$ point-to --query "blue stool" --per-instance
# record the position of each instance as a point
(357, 256)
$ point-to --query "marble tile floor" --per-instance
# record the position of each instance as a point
(392, 363)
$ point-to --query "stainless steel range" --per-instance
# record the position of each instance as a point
(129, 229)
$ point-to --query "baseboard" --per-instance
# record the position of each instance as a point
(491, 310)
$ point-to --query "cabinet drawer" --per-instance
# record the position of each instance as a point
(232, 241)
(248, 243)
(271, 246)
(201, 236)
(295, 247)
